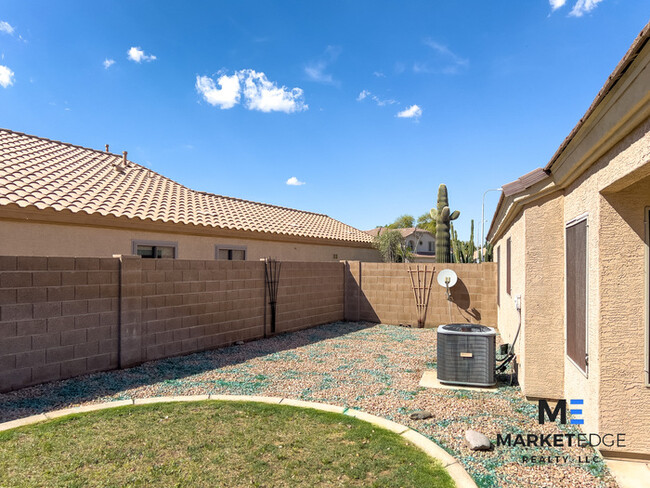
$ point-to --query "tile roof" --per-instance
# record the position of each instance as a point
(42, 173)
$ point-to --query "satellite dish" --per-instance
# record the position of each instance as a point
(447, 278)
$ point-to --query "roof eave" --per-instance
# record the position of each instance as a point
(67, 217)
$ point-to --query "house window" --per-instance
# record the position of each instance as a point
(430, 246)
(499, 276)
(155, 249)
(576, 292)
(508, 266)
(410, 245)
(230, 253)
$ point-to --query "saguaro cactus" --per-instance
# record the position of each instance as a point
(443, 218)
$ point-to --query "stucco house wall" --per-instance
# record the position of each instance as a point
(508, 316)
(601, 173)
(423, 242)
(623, 248)
(43, 239)
(544, 269)
(615, 387)
(582, 200)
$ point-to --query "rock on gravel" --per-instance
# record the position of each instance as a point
(421, 415)
(477, 441)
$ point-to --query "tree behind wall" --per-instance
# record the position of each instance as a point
(402, 222)
(427, 222)
(392, 247)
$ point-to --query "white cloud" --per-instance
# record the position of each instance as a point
(108, 63)
(315, 71)
(413, 112)
(556, 4)
(225, 97)
(6, 27)
(451, 62)
(259, 92)
(293, 181)
(379, 74)
(6, 76)
(265, 96)
(137, 54)
(584, 6)
(365, 94)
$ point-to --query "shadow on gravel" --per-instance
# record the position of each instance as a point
(59, 394)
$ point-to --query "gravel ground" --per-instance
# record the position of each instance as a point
(375, 368)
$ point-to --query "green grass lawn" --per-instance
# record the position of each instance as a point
(212, 444)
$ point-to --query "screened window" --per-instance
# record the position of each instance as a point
(153, 250)
(576, 293)
(231, 253)
(431, 246)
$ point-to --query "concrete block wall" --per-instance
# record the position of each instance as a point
(189, 306)
(383, 292)
(309, 295)
(62, 317)
(58, 318)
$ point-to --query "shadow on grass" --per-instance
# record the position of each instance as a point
(58, 394)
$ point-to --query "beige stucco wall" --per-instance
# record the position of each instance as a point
(42, 239)
(537, 272)
(624, 395)
(544, 298)
(612, 194)
(604, 174)
(614, 390)
(423, 245)
(508, 317)
(582, 198)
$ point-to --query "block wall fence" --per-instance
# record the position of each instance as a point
(63, 317)
(383, 292)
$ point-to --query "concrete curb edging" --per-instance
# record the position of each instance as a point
(450, 463)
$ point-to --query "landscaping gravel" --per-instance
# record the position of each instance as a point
(374, 368)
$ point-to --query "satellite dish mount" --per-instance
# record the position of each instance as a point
(448, 279)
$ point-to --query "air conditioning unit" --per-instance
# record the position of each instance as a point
(466, 354)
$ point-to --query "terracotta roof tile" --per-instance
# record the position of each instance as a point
(49, 174)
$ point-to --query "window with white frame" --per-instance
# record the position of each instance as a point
(227, 252)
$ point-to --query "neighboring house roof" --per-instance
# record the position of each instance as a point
(407, 231)
(542, 179)
(46, 174)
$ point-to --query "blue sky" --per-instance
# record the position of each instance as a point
(370, 104)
